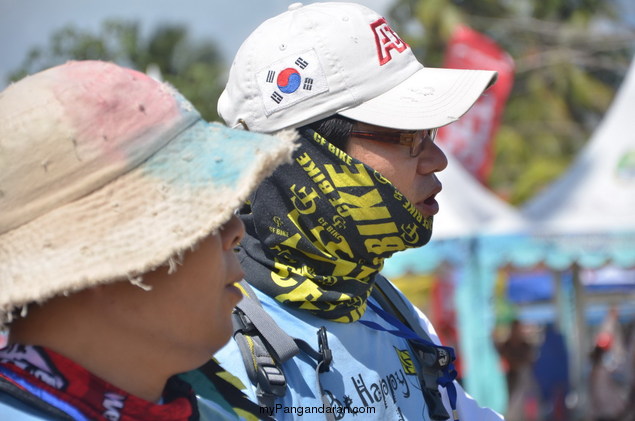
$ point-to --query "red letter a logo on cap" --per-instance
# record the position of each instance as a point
(386, 40)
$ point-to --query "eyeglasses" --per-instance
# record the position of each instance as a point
(416, 139)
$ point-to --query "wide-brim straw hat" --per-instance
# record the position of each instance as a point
(106, 173)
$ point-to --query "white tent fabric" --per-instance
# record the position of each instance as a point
(466, 206)
(597, 193)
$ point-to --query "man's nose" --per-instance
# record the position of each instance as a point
(432, 159)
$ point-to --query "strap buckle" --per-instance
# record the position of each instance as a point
(241, 322)
(325, 352)
(433, 361)
(270, 380)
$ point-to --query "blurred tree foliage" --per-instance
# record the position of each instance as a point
(196, 69)
(570, 55)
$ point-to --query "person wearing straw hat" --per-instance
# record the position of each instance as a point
(117, 236)
(362, 186)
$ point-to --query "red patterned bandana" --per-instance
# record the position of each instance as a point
(67, 386)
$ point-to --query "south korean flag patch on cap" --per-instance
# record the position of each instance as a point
(290, 80)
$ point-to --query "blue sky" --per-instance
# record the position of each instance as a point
(25, 24)
(28, 23)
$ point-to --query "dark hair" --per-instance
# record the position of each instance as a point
(336, 129)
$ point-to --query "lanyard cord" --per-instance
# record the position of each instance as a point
(403, 331)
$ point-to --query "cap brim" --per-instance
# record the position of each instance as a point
(142, 219)
(430, 98)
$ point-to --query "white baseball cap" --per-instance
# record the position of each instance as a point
(321, 59)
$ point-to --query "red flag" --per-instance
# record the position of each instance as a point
(470, 139)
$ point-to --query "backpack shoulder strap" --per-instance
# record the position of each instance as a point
(428, 357)
(281, 344)
(264, 347)
(392, 301)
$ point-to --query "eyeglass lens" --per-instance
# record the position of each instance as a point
(418, 143)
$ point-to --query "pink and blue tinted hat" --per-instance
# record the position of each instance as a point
(106, 174)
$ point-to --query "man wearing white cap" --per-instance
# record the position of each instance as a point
(362, 187)
(117, 236)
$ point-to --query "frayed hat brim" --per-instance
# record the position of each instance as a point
(139, 220)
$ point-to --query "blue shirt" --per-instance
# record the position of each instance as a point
(372, 376)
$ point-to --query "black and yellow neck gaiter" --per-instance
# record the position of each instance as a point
(320, 228)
